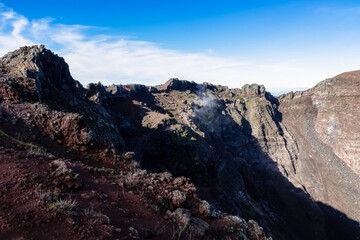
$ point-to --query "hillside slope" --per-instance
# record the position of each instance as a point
(290, 163)
(323, 120)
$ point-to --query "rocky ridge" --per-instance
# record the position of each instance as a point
(279, 161)
(66, 143)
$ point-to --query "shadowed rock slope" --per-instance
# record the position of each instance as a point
(290, 163)
(67, 173)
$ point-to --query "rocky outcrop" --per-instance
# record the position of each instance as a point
(42, 102)
(39, 69)
(54, 103)
(323, 122)
(290, 163)
(64, 176)
(239, 146)
(228, 142)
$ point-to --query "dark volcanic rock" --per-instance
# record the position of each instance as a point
(290, 163)
(48, 71)
(33, 75)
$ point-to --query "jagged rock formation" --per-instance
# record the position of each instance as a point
(62, 148)
(290, 163)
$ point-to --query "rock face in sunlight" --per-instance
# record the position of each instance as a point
(199, 161)
(323, 120)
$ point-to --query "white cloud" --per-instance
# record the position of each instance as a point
(111, 59)
(12, 25)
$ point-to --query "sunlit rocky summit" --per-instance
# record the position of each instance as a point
(176, 161)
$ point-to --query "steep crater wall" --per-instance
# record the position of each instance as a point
(279, 161)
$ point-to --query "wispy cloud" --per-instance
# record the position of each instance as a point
(112, 59)
(109, 59)
(11, 28)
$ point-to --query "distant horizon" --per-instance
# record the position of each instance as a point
(283, 45)
(277, 93)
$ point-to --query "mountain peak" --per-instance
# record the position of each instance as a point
(43, 70)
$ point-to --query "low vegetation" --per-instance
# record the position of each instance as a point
(63, 205)
(97, 216)
(31, 147)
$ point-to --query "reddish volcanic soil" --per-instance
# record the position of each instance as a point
(24, 215)
(122, 162)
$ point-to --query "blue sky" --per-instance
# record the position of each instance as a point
(282, 44)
